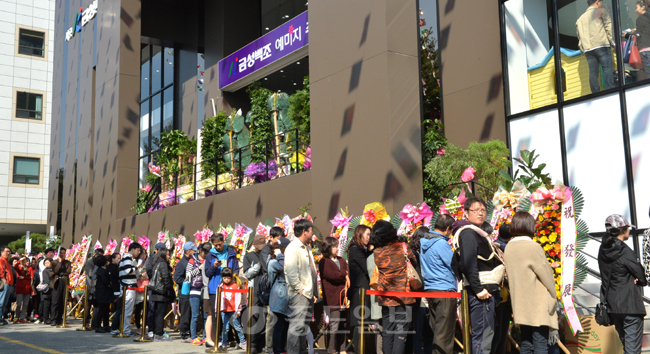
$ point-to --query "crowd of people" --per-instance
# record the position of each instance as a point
(285, 277)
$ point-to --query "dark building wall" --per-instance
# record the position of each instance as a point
(472, 83)
(365, 113)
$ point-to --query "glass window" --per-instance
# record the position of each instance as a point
(638, 118)
(635, 26)
(26, 170)
(156, 69)
(143, 170)
(168, 110)
(593, 129)
(155, 122)
(275, 13)
(531, 64)
(587, 42)
(144, 73)
(31, 43)
(29, 105)
(168, 66)
(145, 147)
(524, 135)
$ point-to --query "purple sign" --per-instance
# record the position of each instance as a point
(282, 41)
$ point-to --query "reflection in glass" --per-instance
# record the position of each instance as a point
(168, 110)
(156, 70)
(168, 66)
(635, 24)
(275, 13)
(144, 73)
(145, 148)
(638, 113)
(144, 169)
(155, 122)
(587, 39)
(531, 67)
(595, 158)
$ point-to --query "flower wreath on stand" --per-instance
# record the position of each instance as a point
(340, 227)
(414, 216)
(110, 247)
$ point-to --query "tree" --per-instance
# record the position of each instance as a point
(38, 243)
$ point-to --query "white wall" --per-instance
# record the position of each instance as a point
(27, 205)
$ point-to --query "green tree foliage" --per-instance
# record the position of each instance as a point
(430, 70)
(532, 176)
(261, 126)
(212, 147)
(488, 159)
(176, 147)
(299, 108)
(38, 243)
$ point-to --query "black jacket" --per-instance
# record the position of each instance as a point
(103, 288)
(47, 276)
(619, 266)
(357, 263)
(264, 258)
(472, 245)
(179, 273)
(165, 273)
(114, 276)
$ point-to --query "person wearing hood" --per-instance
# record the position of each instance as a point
(279, 297)
(532, 286)
(437, 276)
(622, 285)
(253, 272)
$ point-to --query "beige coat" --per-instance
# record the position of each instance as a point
(532, 287)
(594, 29)
(300, 270)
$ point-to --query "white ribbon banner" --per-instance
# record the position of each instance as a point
(569, 264)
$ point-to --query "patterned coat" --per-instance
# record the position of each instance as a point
(391, 263)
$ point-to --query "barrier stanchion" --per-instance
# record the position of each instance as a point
(250, 321)
(143, 336)
(217, 318)
(122, 335)
(65, 310)
(464, 312)
(83, 326)
(362, 320)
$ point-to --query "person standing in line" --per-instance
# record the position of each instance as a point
(279, 297)
(182, 281)
(375, 310)
(7, 278)
(422, 339)
(594, 30)
(23, 289)
(334, 278)
(301, 275)
(253, 272)
(61, 270)
(390, 258)
(477, 255)
(89, 269)
(275, 234)
(46, 293)
(48, 253)
(532, 286)
(35, 297)
(148, 267)
(193, 273)
(129, 278)
(231, 308)
(438, 276)
(504, 309)
(103, 294)
(162, 272)
(358, 253)
(623, 279)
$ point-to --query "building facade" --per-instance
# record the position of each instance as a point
(26, 68)
(128, 72)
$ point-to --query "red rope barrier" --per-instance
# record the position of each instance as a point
(135, 289)
(240, 291)
(433, 295)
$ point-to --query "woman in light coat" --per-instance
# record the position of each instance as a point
(279, 297)
(532, 286)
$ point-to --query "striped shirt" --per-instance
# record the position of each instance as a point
(128, 273)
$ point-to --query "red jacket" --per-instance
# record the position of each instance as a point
(333, 280)
(5, 271)
(23, 286)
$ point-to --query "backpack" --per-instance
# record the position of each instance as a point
(495, 276)
(263, 288)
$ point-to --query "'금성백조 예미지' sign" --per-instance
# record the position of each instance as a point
(81, 19)
(282, 41)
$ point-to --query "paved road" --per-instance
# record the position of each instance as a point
(39, 339)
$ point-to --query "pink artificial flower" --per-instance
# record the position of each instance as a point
(146, 188)
(468, 174)
(154, 169)
(440, 151)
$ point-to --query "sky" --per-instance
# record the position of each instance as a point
(429, 9)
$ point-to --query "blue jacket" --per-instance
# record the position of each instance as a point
(214, 273)
(435, 255)
(279, 298)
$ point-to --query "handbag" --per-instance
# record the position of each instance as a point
(2, 284)
(635, 56)
(344, 301)
(156, 284)
(412, 277)
(602, 312)
(374, 279)
(44, 287)
(626, 48)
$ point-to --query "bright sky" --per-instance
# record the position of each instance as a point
(429, 9)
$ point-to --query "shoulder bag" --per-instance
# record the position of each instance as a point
(156, 284)
(374, 279)
(635, 56)
(412, 277)
(602, 312)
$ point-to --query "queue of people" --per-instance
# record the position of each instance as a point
(285, 280)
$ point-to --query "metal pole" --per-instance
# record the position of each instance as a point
(83, 326)
(464, 312)
(250, 321)
(362, 320)
(176, 199)
(143, 337)
(217, 315)
(65, 304)
(122, 335)
(297, 152)
(240, 173)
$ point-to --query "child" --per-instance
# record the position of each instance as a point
(103, 295)
(46, 291)
(231, 305)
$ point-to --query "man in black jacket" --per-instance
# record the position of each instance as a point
(483, 298)
(252, 272)
(276, 234)
(89, 269)
(184, 298)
